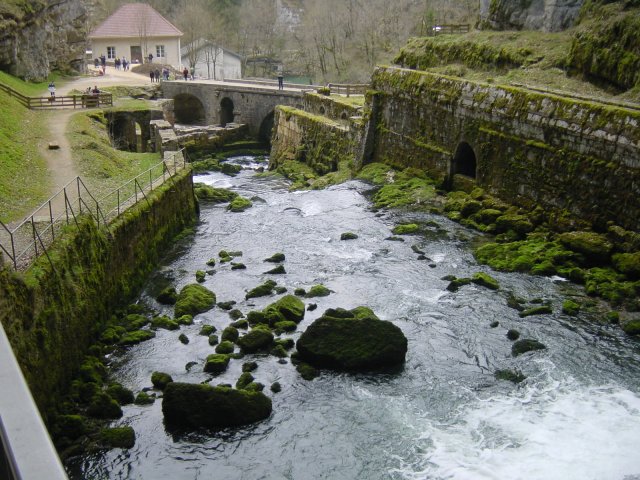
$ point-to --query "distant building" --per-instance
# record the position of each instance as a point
(211, 61)
(135, 31)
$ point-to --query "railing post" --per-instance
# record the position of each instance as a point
(79, 197)
(53, 236)
(150, 181)
(33, 228)
(13, 251)
(118, 192)
(66, 203)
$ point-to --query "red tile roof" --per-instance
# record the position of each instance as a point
(130, 19)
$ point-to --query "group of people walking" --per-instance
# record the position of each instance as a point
(121, 64)
(154, 75)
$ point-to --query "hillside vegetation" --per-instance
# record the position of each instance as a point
(24, 180)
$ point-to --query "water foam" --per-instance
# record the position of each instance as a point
(556, 431)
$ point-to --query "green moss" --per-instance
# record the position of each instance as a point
(261, 290)
(239, 204)
(285, 326)
(168, 296)
(245, 379)
(276, 258)
(201, 276)
(632, 327)
(104, 407)
(118, 437)
(230, 333)
(213, 340)
(225, 347)
(216, 363)
(143, 398)
(610, 285)
(595, 247)
(514, 376)
(306, 371)
(318, 291)
(207, 330)
(406, 229)
(160, 380)
(132, 338)
(485, 280)
(121, 394)
(456, 283)
(165, 323)
(570, 307)
(70, 426)
(194, 299)
(185, 320)
(255, 340)
(628, 263)
(279, 270)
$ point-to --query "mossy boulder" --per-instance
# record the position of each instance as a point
(104, 407)
(92, 370)
(213, 340)
(306, 371)
(183, 339)
(225, 347)
(230, 334)
(239, 204)
(134, 321)
(513, 335)
(595, 247)
(517, 223)
(70, 426)
(261, 290)
(318, 291)
(185, 320)
(168, 296)
(216, 363)
(212, 194)
(111, 335)
(143, 398)
(118, 437)
(245, 379)
(207, 330)
(406, 229)
(514, 376)
(203, 406)
(526, 345)
(348, 236)
(160, 380)
(242, 324)
(285, 326)
(276, 258)
(238, 266)
(226, 305)
(121, 394)
(194, 299)
(485, 280)
(456, 283)
(255, 340)
(289, 307)
(132, 338)
(201, 276)
(279, 270)
(628, 263)
(352, 343)
(165, 323)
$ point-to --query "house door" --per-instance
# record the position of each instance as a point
(136, 54)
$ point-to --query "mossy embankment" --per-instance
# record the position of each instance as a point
(55, 310)
(24, 183)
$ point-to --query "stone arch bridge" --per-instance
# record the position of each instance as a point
(208, 102)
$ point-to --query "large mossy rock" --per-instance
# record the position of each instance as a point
(257, 339)
(213, 194)
(194, 299)
(628, 263)
(289, 308)
(261, 290)
(197, 406)
(348, 340)
(594, 246)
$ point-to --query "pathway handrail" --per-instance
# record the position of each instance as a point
(348, 89)
(52, 101)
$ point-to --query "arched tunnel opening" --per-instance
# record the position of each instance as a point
(126, 134)
(266, 129)
(464, 161)
(226, 111)
(188, 110)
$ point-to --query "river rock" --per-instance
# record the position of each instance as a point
(196, 406)
(526, 345)
(257, 339)
(359, 341)
(194, 299)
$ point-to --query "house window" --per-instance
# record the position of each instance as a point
(111, 53)
(160, 51)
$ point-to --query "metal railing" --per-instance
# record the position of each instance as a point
(75, 101)
(28, 240)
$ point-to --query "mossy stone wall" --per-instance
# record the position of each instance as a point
(330, 107)
(318, 141)
(54, 311)
(530, 147)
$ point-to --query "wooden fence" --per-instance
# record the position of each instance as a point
(348, 89)
(69, 101)
(449, 29)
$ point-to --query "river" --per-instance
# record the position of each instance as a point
(443, 416)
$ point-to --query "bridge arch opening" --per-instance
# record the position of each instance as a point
(266, 129)
(188, 110)
(126, 134)
(226, 111)
(464, 161)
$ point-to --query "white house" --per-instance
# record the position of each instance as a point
(135, 31)
(211, 61)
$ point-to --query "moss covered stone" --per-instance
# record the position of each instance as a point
(165, 323)
(513, 335)
(279, 270)
(285, 326)
(103, 406)
(514, 376)
(143, 398)
(70, 426)
(201, 276)
(185, 320)
(307, 371)
(239, 204)
(203, 406)
(132, 338)
(352, 343)
(279, 351)
(276, 387)
(631, 327)
(348, 236)
(289, 308)
(570, 307)
(133, 321)
(194, 299)
(517, 223)
(255, 340)
(485, 280)
(213, 340)
(183, 339)
(249, 366)
(216, 363)
(526, 345)
(261, 290)
(118, 437)
(226, 305)
(245, 379)
(160, 380)
(238, 266)
(230, 334)
(212, 194)
(225, 347)
(276, 258)
(168, 296)
(120, 393)
(318, 291)
(456, 283)
(595, 247)
(406, 229)
(241, 324)
(628, 263)
(207, 330)
(300, 292)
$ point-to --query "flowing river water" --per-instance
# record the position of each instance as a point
(443, 416)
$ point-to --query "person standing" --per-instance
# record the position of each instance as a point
(185, 73)
(152, 75)
(52, 89)
(280, 78)
(157, 72)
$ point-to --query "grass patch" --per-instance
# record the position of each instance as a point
(102, 167)
(23, 172)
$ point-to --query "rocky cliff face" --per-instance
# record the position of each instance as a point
(37, 36)
(546, 15)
